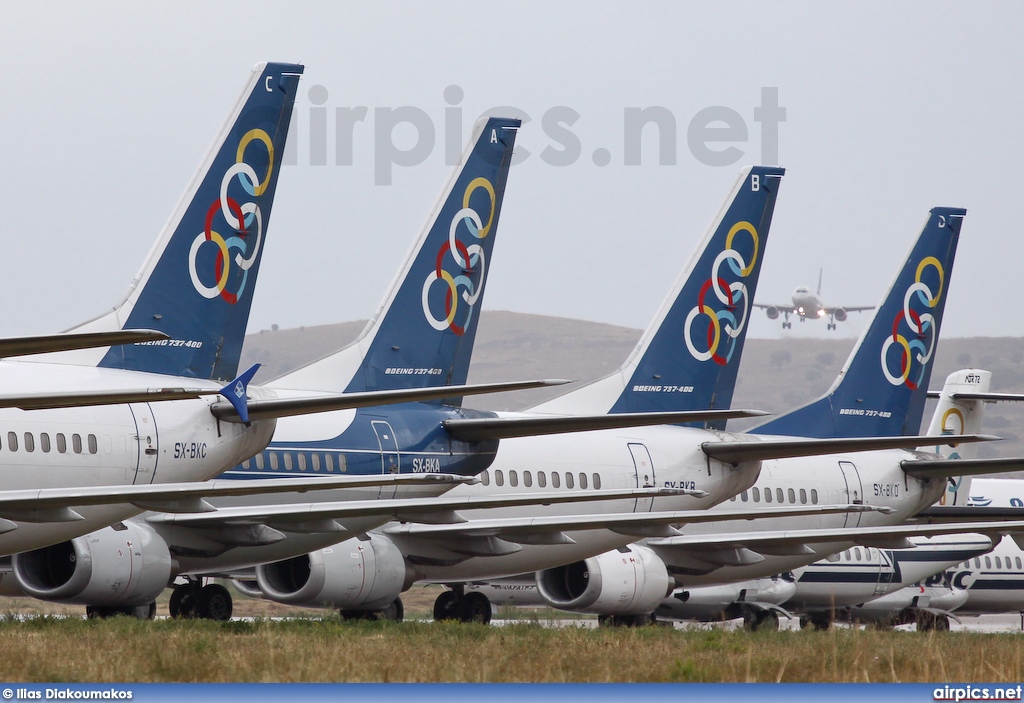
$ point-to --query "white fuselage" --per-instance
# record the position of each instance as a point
(157, 442)
(807, 304)
(873, 478)
(994, 582)
(651, 456)
(605, 459)
(861, 574)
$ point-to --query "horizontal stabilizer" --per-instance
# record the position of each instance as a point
(738, 452)
(489, 428)
(288, 407)
(48, 401)
(45, 344)
(989, 397)
(949, 468)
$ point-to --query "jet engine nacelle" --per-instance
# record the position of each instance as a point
(128, 565)
(772, 312)
(629, 581)
(840, 315)
(355, 574)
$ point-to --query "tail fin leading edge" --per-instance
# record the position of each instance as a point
(688, 358)
(882, 389)
(423, 333)
(198, 281)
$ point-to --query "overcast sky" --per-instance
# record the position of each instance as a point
(890, 109)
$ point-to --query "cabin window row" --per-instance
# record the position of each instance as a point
(543, 478)
(27, 442)
(999, 563)
(779, 496)
(301, 461)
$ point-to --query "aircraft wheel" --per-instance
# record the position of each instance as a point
(818, 621)
(143, 612)
(475, 608)
(183, 602)
(99, 612)
(446, 607)
(214, 603)
(767, 620)
(394, 612)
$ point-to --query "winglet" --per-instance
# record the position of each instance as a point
(236, 393)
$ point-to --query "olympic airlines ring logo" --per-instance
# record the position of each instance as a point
(465, 260)
(920, 326)
(240, 218)
(719, 300)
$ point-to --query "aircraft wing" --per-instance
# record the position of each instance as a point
(437, 519)
(292, 516)
(988, 397)
(287, 407)
(833, 311)
(45, 344)
(48, 401)
(638, 524)
(56, 504)
(759, 450)
(795, 542)
(477, 429)
(949, 468)
(781, 308)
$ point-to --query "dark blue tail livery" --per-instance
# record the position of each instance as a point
(688, 357)
(197, 285)
(883, 387)
(423, 333)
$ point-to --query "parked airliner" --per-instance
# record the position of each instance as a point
(488, 547)
(881, 391)
(419, 345)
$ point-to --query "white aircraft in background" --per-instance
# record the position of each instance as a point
(840, 583)
(807, 304)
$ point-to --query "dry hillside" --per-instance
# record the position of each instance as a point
(776, 374)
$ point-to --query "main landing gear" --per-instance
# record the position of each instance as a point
(456, 604)
(395, 612)
(139, 612)
(193, 600)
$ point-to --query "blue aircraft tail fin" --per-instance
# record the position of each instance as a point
(882, 389)
(423, 333)
(198, 281)
(688, 357)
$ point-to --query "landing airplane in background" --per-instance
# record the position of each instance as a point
(808, 305)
